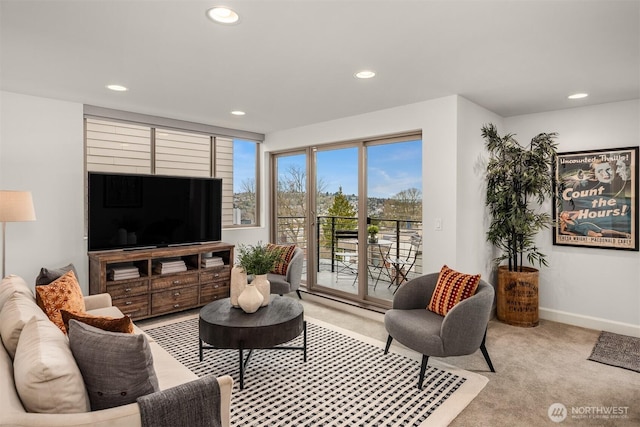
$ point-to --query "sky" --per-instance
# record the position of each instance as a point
(391, 168)
(244, 153)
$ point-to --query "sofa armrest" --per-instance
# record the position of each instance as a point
(294, 272)
(120, 416)
(226, 385)
(93, 302)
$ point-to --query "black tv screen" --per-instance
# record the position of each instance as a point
(133, 211)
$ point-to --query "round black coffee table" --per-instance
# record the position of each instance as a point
(223, 326)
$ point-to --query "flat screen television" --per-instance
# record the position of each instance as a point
(133, 211)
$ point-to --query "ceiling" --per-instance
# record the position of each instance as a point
(291, 63)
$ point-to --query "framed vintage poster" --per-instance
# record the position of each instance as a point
(597, 199)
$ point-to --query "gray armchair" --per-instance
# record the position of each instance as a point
(462, 331)
(291, 282)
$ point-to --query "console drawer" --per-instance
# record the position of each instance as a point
(135, 306)
(213, 291)
(173, 300)
(219, 274)
(130, 288)
(173, 281)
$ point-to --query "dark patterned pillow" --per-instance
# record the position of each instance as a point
(117, 368)
(452, 288)
(48, 275)
(286, 254)
(106, 323)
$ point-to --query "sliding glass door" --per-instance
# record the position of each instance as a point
(320, 195)
(394, 213)
(336, 207)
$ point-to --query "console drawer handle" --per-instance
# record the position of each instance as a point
(216, 275)
(176, 282)
(127, 290)
(216, 286)
(176, 305)
(128, 303)
(177, 294)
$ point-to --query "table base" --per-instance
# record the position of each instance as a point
(243, 362)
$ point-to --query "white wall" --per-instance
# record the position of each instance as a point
(474, 254)
(437, 121)
(596, 288)
(42, 152)
(452, 171)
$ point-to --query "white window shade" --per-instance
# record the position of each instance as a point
(224, 169)
(118, 147)
(182, 153)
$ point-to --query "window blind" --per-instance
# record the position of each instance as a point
(117, 147)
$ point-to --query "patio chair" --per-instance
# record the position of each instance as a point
(346, 261)
(398, 268)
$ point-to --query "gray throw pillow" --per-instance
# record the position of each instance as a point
(48, 275)
(117, 368)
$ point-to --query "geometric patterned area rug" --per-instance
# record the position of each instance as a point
(346, 381)
(617, 350)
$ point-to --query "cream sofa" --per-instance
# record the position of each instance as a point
(15, 292)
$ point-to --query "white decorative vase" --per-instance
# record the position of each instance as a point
(238, 283)
(264, 286)
(250, 299)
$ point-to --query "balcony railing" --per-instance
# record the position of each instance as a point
(335, 234)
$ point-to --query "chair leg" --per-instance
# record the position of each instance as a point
(299, 294)
(386, 348)
(423, 368)
(485, 353)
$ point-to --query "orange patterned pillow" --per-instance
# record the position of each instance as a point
(106, 323)
(63, 293)
(452, 288)
(286, 254)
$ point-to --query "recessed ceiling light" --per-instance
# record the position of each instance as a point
(578, 95)
(365, 74)
(117, 88)
(223, 15)
(238, 113)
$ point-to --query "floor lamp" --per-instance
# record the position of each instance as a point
(15, 206)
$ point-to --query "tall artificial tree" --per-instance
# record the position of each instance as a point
(519, 180)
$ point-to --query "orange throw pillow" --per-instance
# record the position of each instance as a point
(452, 288)
(286, 254)
(106, 323)
(62, 293)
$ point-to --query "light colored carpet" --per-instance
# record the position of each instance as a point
(347, 380)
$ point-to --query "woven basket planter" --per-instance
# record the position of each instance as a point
(517, 296)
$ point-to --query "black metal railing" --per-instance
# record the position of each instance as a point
(405, 235)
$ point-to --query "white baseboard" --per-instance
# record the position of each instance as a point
(590, 322)
(580, 320)
(345, 306)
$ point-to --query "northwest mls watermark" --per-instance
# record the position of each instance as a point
(558, 412)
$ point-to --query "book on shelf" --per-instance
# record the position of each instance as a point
(123, 272)
(170, 265)
(212, 261)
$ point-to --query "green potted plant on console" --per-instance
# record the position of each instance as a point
(519, 179)
(256, 260)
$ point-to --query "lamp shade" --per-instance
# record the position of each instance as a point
(16, 206)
